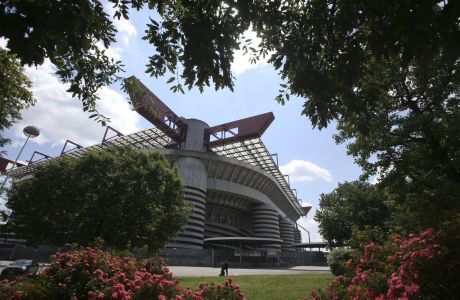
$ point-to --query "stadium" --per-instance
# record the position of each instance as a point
(240, 198)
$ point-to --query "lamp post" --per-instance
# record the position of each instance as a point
(29, 132)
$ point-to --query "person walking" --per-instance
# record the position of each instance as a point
(224, 269)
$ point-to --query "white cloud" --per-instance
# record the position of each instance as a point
(112, 52)
(60, 117)
(241, 61)
(3, 42)
(303, 170)
(122, 117)
(125, 28)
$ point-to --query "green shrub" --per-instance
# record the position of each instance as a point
(337, 260)
(366, 235)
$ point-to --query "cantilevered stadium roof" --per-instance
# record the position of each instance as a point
(251, 151)
(254, 152)
(151, 138)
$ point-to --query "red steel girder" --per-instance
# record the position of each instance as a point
(240, 130)
(4, 162)
(305, 210)
(148, 105)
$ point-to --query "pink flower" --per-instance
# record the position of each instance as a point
(18, 294)
(314, 295)
(412, 289)
(427, 233)
(92, 294)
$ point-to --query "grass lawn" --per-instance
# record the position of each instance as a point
(268, 287)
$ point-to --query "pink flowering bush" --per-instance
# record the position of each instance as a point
(416, 267)
(228, 291)
(95, 274)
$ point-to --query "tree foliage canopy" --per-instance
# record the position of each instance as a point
(351, 205)
(127, 197)
(69, 34)
(14, 93)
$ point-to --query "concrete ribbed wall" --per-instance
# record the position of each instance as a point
(220, 230)
(287, 234)
(223, 219)
(297, 236)
(192, 234)
(237, 191)
(194, 174)
(265, 223)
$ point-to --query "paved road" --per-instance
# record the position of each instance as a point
(183, 271)
(179, 271)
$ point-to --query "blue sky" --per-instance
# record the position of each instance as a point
(311, 157)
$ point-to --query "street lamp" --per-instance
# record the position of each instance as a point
(29, 132)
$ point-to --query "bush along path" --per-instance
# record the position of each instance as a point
(91, 273)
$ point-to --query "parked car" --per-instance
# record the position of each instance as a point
(21, 267)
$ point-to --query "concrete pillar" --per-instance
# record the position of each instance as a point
(287, 234)
(297, 238)
(265, 223)
(194, 175)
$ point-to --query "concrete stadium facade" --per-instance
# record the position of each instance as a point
(231, 198)
(238, 194)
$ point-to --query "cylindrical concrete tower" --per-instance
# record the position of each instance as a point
(194, 174)
(297, 238)
(287, 234)
(265, 223)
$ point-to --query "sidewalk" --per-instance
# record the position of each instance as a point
(183, 271)
(186, 271)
